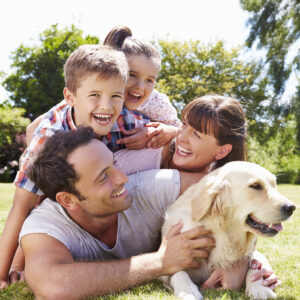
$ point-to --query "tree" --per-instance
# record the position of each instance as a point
(275, 26)
(12, 140)
(37, 82)
(190, 70)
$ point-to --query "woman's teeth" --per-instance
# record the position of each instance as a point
(102, 119)
(183, 151)
(119, 193)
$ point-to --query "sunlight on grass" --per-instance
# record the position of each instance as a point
(283, 252)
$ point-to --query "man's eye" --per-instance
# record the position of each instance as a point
(104, 178)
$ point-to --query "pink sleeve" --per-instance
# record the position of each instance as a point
(159, 108)
(133, 161)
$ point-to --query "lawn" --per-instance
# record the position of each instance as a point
(283, 252)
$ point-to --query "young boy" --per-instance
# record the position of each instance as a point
(95, 80)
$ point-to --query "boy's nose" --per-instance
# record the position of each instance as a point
(105, 102)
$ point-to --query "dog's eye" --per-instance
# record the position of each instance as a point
(256, 186)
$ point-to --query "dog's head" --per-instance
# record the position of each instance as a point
(245, 195)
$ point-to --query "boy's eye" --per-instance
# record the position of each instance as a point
(117, 96)
(94, 95)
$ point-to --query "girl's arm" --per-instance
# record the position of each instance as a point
(23, 202)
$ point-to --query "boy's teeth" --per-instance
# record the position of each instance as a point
(181, 149)
(119, 193)
(102, 116)
(134, 94)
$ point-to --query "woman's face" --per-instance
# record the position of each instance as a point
(142, 76)
(194, 151)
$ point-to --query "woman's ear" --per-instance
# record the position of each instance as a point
(224, 150)
(69, 96)
(66, 200)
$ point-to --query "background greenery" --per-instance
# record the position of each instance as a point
(281, 251)
(190, 69)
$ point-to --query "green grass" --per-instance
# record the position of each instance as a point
(283, 252)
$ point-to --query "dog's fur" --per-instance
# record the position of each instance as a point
(222, 202)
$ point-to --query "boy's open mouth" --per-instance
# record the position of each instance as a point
(102, 119)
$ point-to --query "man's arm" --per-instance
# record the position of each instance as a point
(51, 272)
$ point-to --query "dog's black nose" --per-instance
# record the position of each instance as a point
(288, 209)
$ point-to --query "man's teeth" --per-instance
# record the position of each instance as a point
(183, 150)
(119, 193)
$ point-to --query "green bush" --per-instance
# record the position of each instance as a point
(12, 140)
(279, 154)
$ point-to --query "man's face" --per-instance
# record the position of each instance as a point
(98, 102)
(100, 183)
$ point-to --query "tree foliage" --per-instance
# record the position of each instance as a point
(190, 70)
(37, 82)
(12, 140)
(275, 26)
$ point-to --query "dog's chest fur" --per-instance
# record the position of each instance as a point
(229, 247)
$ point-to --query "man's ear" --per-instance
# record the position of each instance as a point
(224, 150)
(66, 200)
(69, 96)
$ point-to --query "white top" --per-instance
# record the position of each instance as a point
(138, 227)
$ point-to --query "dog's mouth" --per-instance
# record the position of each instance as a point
(263, 228)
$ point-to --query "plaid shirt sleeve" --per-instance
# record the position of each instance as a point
(51, 123)
(127, 120)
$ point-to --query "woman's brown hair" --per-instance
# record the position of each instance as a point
(224, 118)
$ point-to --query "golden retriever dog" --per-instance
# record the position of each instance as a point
(236, 203)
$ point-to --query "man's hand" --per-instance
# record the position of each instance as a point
(179, 251)
(164, 134)
(137, 137)
(231, 278)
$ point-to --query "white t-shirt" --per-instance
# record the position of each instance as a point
(138, 227)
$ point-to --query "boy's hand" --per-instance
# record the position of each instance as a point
(165, 133)
(179, 251)
(138, 137)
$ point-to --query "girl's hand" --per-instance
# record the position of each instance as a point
(164, 134)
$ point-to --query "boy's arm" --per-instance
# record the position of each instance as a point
(23, 202)
(50, 268)
(32, 127)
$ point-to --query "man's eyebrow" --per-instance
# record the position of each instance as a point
(100, 174)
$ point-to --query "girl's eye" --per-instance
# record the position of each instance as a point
(131, 74)
(196, 134)
(183, 123)
(94, 95)
(150, 81)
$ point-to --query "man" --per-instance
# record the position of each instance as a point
(95, 214)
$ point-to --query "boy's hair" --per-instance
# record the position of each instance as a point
(89, 59)
(50, 170)
(120, 38)
(222, 117)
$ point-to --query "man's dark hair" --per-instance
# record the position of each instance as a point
(50, 170)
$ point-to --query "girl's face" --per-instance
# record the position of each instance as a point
(194, 151)
(142, 76)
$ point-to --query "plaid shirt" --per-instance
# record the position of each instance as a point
(60, 118)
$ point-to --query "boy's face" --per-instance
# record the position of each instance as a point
(97, 103)
(142, 76)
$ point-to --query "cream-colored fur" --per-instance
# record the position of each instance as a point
(221, 202)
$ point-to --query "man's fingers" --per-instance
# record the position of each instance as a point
(132, 131)
(212, 281)
(196, 232)
(174, 230)
(198, 253)
(126, 140)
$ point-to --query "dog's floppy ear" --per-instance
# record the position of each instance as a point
(213, 194)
